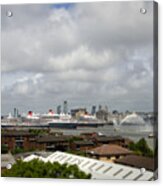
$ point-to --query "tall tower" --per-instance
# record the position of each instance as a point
(65, 107)
(15, 112)
(100, 107)
(58, 109)
(93, 111)
(106, 108)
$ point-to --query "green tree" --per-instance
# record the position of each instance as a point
(4, 149)
(40, 169)
(38, 131)
(18, 150)
(141, 148)
(75, 138)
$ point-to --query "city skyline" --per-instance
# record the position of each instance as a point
(85, 53)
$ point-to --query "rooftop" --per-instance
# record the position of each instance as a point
(50, 138)
(83, 142)
(6, 159)
(37, 153)
(108, 138)
(110, 150)
(98, 169)
(137, 161)
(15, 133)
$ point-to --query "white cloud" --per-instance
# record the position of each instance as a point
(93, 52)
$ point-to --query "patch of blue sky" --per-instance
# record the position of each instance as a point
(63, 5)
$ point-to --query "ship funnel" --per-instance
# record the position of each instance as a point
(30, 113)
(50, 112)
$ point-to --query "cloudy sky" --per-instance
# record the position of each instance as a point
(86, 53)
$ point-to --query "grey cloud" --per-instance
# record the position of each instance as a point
(90, 54)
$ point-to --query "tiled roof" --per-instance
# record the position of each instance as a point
(16, 133)
(83, 142)
(108, 138)
(110, 149)
(137, 161)
(50, 138)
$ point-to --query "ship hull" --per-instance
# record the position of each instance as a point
(63, 125)
(89, 124)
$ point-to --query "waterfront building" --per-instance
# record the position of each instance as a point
(93, 111)
(65, 107)
(102, 115)
(99, 107)
(59, 109)
(15, 112)
(76, 113)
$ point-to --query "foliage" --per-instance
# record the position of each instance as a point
(40, 169)
(18, 150)
(115, 112)
(4, 149)
(38, 131)
(75, 138)
(141, 148)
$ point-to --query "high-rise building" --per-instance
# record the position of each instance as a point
(100, 107)
(102, 115)
(93, 111)
(65, 107)
(58, 109)
(15, 112)
(78, 112)
(106, 108)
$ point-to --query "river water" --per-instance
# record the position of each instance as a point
(134, 132)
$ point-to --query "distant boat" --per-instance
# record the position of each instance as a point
(151, 135)
(52, 120)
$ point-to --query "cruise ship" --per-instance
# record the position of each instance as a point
(50, 120)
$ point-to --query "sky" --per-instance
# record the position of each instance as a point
(85, 53)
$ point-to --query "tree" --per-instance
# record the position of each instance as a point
(75, 138)
(40, 169)
(38, 132)
(18, 150)
(141, 148)
(4, 149)
(115, 112)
